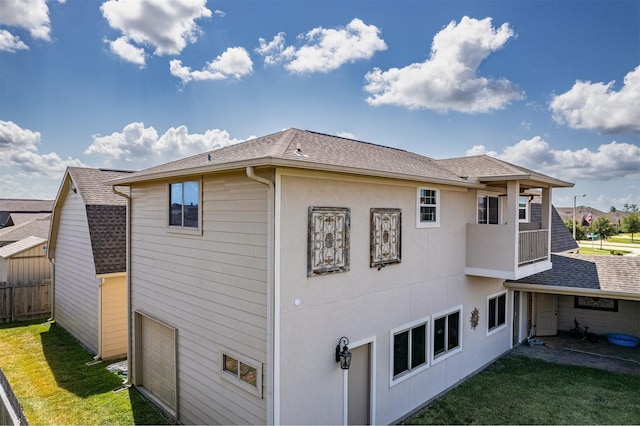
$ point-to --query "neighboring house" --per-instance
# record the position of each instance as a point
(248, 265)
(17, 211)
(87, 247)
(34, 228)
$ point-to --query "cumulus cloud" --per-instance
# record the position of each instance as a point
(31, 15)
(127, 51)
(610, 161)
(19, 149)
(324, 49)
(233, 63)
(165, 26)
(448, 80)
(597, 106)
(143, 147)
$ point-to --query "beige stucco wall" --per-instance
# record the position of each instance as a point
(114, 316)
(365, 303)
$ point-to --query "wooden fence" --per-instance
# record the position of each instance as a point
(24, 300)
(10, 409)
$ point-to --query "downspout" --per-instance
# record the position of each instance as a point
(128, 380)
(273, 349)
(52, 262)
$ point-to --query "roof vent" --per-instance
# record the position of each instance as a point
(299, 152)
(209, 157)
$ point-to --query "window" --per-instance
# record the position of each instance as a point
(409, 350)
(447, 333)
(496, 311)
(243, 372)
(184, 204)
(523, 209)
(428, 206)
(488, 209)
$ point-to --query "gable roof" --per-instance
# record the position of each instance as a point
(35, 228)
(308, 150)
(489, 169)
(106, 216)
(28, 243)
(605, 276)
(561, 238)
(13, 205)
(22, 218)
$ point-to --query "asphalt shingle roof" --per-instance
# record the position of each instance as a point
(36, 228)
(561, 239)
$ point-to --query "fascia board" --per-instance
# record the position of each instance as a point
(571, 291)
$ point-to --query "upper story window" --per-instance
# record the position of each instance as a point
(488, 209)
(184, 204)
(428, 208)
(523, 209)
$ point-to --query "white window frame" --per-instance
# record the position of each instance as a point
(498, 327)
(486, 196)
(394, 380)
(526, 209)
(181, 228)
(235, 379)
(448, 352)
(429, 224)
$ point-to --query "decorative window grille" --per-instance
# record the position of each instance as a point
(328, 240)
(385, 236)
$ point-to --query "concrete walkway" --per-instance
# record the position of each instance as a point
(563, 349)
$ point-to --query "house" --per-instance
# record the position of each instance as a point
(255, 268)
(17, 211)
(87, 248)
(38, 227)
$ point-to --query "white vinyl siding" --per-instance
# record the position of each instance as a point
(210, 287)
(76, 285)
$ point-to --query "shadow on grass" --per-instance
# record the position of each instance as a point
(67, 358)
(142, 414)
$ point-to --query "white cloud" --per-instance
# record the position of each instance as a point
(448, 80)
(325, 49)
(597, 106)
(233, 63)
(124, 49)
(142, 147)
(611, 161)
(19, 149)
(346, 135)
(167, 26)
(11, 43)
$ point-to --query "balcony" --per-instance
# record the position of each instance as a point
(500, 251)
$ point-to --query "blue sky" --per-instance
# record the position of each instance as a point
(549, 85)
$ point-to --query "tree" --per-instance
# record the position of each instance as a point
(630, 207)
(581, 231)
(631, 224)
(613, 209)
(604, 228)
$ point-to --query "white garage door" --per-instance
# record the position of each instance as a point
(157, 360)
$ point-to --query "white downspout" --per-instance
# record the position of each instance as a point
(52, 263)
(128, 380)
(273, 347)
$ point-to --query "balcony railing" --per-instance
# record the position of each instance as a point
(533, 246)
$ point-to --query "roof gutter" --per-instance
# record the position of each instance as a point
(128, 380)
(571, 291)
(273, 304)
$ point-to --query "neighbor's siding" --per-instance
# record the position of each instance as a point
(28, 266)
(76, 285)
(114, 317)
(625, 321)
(210, 287)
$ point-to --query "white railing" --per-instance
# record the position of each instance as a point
(533, 246)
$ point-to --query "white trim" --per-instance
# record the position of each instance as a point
(527, 209)
(189, 230)
(372, 380)
(506, 305)
(486, 195)
(235, 379)
(276, 299)
(448, 353)
(436, 223)
(412, 371)
(345, 397)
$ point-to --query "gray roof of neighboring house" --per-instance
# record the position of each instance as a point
(106, 216)
(22, 218)
(12, 205)
(615, 275)
(36, 228)
(561, 239)
(309, 150)
(20, 246)
(486, 169)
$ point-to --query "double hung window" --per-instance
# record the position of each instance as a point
(428, 208)
(496, 311)
(184, 204)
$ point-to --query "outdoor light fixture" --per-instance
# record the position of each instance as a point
(343, 356)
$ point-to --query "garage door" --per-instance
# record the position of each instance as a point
(157, 360)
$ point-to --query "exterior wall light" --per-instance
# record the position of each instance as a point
(343, 356)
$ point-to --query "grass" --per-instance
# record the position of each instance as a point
(46, 369)
(601, 252)
(522, 390)
(625, 238)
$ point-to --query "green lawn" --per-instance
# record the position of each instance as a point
(601, 252)
(521, 390)
(46, 369)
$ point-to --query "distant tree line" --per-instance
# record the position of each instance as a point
(604, 228)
